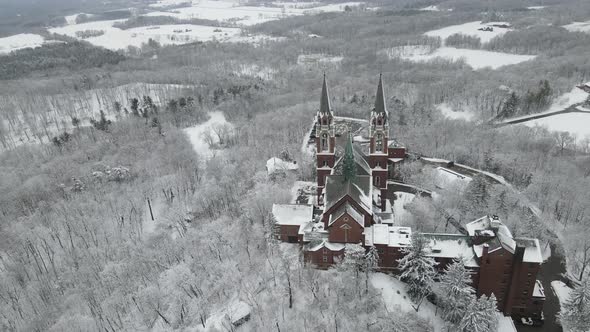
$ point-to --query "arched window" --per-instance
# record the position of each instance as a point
(379, 143)
(324, 142)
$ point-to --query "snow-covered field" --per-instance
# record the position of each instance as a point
(476, 59)
(20, 41)
(166, 3)
(578, 26)
(449, 113)
(197, 133)
(471, 29)
(173, 34)
(233, 11)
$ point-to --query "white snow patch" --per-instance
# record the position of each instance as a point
(274, 165)
(471, 29)
(536, 7)
(19, 42)
(396, 298)
(432, 8)
(566, 100)
(292, 214)
(578, 27)
(505, 324)
(574, 123)
(476, 59)
(449, 113)
(317, 59)
(196, 134)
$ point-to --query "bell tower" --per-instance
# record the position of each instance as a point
(379, 136)
(325, 141)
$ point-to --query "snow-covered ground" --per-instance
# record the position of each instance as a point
(566, 100)
(449, 113)
(20, 41)
(471, 29)
(575, 123)
(233, 11)
(476, 59)
(174, 34)
(536, 7)
(196, 134)
(400, 214)
(396, 298)
(578, 26)
(317, 59)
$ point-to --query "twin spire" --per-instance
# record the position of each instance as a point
(380, 108)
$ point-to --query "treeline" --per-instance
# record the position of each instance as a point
(72, 56)
(142, 21)
(531, 102)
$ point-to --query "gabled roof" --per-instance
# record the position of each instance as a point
(359, 189)
(347, 208)
(362, 168)
(326, 244)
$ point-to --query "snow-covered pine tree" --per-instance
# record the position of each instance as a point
(480, 315)
(456, 293)
(575, 313)
(417, 269)
(354, 257)
(371, 264)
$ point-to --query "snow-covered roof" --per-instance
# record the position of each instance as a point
(292, 214)
(538, 291)
(279, 165)
(451, 246)
(359, 189)
(492, 227)
(328, 245)
(351, 211)
(480, 224)
(532, 251)
(392, 236)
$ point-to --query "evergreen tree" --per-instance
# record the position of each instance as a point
(102, 124)
(457, 293)
(510, 106)
(371, 264)
(349, 169)
(135, 106)
(480, 316)
(575, 313)
(477, 191)
(417, 269)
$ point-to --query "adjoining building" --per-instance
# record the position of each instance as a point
(353, 208)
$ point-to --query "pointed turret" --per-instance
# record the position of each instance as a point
(380, 108)
(325, 108)
(349, 169)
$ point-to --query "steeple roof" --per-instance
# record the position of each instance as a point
(380, 107)
(349, 166)
(325, 107)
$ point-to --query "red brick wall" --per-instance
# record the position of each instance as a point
(339, 235)
(317, 257)
(495, 274)
(388, 256)
(397, 152)
(287, 230)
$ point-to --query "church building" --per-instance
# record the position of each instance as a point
(354, 206)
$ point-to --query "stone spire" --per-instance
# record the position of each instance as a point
(325, 107)
(380, 108)
(349, 169)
